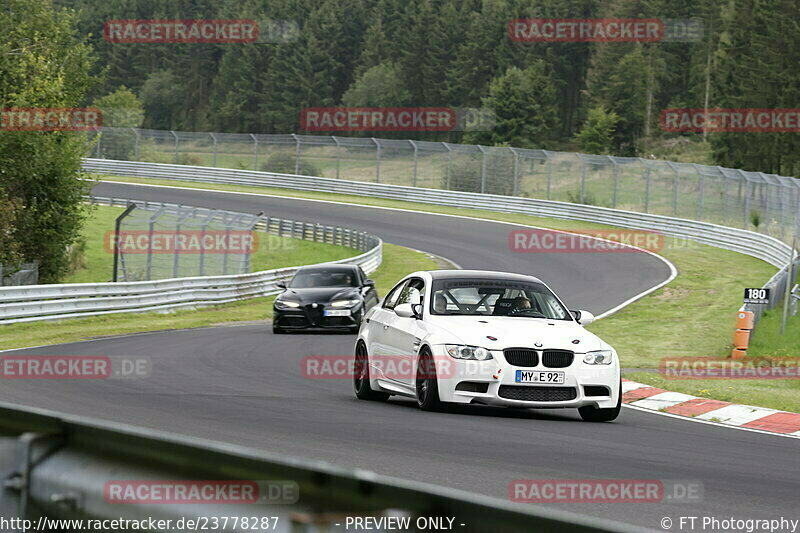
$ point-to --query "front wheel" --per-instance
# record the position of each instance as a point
(593, 414)
(427, 384)
(361, 377)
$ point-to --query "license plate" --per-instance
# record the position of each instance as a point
(531, 376)
(337, 312)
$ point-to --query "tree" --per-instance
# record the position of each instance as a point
(121, 109)
(42, 64)
(597, 134)
(380, 86)
(525, 107)
(161, 96)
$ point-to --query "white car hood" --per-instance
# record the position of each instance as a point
(514, 332)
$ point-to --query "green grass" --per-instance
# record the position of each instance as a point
(767, 340)
(397, 262)
(271, 252)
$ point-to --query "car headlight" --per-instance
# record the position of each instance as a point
(286, 304)
(475, 353)
(599, 357)
(345, 303)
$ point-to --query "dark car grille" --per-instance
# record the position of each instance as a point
(314, 315)
(557, 358)
(521, 356)
(538, 394)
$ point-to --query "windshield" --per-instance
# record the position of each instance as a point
(496, 298)
(323, 278)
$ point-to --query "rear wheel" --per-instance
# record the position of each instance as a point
(361, 377)
(593, 414)
(427, 384)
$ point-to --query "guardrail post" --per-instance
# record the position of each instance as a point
(583, 180)
(176, 145)
(255, 151)
(117, 224)
(338, 155)
(204, 225)
(99, 135)
(675, 191)
(616, 182)
(296, 153)
(377, 160)
(700, 195)
(516, 171)
(449, 164)
(176, 255)
(483, 169)
(549, 172)
(136, 147)
(214, 137)
(151, 230)
(414, 181)
(789, 280)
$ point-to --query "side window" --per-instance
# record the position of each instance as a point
(413, 292)
(391, 299)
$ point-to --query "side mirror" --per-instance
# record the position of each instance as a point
(369, 283)
(405, 311)
(281, 285)
(584, 318)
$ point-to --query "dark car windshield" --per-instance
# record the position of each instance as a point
(323, 278)
(490, 297)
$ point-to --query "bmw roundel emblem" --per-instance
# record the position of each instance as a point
(538, 344)
(314, 305)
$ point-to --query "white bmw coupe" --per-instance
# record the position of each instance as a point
(477, 337)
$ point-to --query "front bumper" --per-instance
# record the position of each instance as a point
(307, 317)
(493, 383)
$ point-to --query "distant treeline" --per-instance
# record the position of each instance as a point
(600, 97)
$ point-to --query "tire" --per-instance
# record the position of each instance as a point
(361, 377)
(427, 385)
(593, 414)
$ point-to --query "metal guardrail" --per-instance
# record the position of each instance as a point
(29, 303)
(758, 245)
(62, 462)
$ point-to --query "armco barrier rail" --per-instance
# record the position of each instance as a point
(29, 303)
(764, 247)
(56, 466)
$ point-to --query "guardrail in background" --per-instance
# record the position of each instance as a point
(767, 203)
(764, 247)
(48, 302)
(56, 466)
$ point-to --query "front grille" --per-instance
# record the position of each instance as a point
(596, 390)
(292, 322)
(473, 386)
(314, 315)
(557, 358)
(338, 321)
(538, 394)
(521, 356)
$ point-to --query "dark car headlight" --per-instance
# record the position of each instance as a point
(346, 303)
(286, 304)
